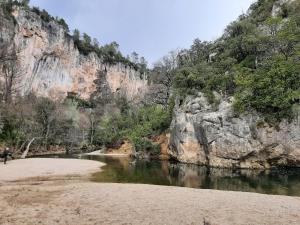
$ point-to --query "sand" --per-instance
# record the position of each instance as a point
(100, 153)
(39, 167)
(62, 202)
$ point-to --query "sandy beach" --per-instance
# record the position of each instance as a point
(43, 197)
(41, 167)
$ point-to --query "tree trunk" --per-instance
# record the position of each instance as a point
(27, 149)
(21, 147)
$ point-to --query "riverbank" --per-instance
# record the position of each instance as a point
(35, 168)
(101, 153)
(67, 197)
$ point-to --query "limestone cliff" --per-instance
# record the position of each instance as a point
(50, 64)
(205, 136)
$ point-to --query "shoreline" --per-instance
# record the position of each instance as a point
(99, 153)
(23, 169)
(39, 191)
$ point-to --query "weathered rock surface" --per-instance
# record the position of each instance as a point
(277, 7)
(126, 148)
(163, 142)
(50, 65)
(217, 138)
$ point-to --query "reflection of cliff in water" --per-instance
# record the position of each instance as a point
(126, 170)
(284, 182)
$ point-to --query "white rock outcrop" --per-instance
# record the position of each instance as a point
(218, 138)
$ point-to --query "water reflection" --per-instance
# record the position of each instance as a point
(125, 170)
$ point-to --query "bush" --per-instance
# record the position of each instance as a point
(7, 8)
(63, 23)
(138, 127)
(9, 132)
(80, 102)
(143, 144)
(272, 89)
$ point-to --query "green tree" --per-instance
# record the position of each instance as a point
(143, 65)
(288, 38)
(45, 16)
(241, 39)
(63, 23)
(96, 43)
(25, 2)
(188, 79)
(272, 90)
(76, 35)
(134, 57)
(200, 51)
(86, 39)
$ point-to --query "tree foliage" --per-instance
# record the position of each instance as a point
(272, 89)
(256, 60)
(138, 127)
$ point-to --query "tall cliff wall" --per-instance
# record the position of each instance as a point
(50, 65)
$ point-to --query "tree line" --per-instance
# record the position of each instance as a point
(256, 60)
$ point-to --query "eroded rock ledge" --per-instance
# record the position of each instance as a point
(218, 138)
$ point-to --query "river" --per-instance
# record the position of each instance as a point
(127, 170)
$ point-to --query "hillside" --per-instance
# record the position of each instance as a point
(257, 50)
(242, 108)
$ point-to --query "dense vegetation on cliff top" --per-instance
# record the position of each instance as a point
(109, 53)
(257, 60)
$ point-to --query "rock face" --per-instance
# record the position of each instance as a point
(50, 64)
(217, 138)
(277, 7)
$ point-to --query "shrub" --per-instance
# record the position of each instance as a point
(138, 127)
(63, 23)
(80, 102)
(143, 144)
(272, 89)
(7, 8)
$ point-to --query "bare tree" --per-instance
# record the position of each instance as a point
(161, 79)
(10, 74)
(92, 128)
(163, 70)
(45, 115)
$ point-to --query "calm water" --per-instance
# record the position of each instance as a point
(126, 170)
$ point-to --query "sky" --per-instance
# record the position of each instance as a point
(152, 28)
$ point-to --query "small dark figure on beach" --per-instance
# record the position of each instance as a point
(6, 153)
